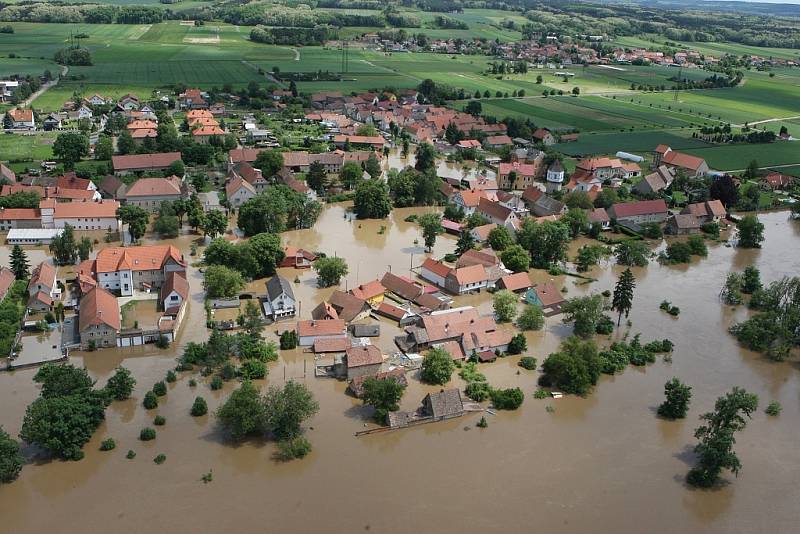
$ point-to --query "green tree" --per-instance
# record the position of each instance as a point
(220, 281)
(622, 302)
(350, 174)
(371, 200)
(500, 238)
(426, 158)
(465, 242)
(120, 385)
(70, 148)
(270, 162)
(372, 166)
(531, 318)
(104, 149)
(199, 407)
(677, 400)
(578, 199)
(215, 223)
(504, 303)
(383, 395)
(125, 143)
(266, 251)
(585, 312)
(242, 414)
(474, 107)
(632, 253)
(330, 270)
(574, 369)
(437, 367)
(588, 255)
(751, 232)
(19, 263)
(751, 280)
(546, 242)
(136, 218)
(516, 259)
(716, 436)
(63, 424)
(10, 458)
(576, 220)
(518, 344)
(167, 226)
(63, 247)
(316, 178)
(84, 248)
(286, 408)
(606, 198)
(431, 224)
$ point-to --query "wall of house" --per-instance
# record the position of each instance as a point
(102, 335)
(88, 223)
(151, 203)
(363, 370)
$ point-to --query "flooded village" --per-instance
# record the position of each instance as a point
(558, 462)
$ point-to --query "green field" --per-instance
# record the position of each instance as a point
(737, 157)
(589, 144)
(713, 49)
(26, 147)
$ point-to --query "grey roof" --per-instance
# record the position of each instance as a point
(278, 285)
(546, 205)
(445, 403)
(366, 330)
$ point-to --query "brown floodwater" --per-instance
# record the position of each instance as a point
(601, 463)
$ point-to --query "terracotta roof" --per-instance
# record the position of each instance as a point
(716, 208)
(147, 187)
(6, 279)
(494, 210)
(44, 274)
(18, 214)
(357, 383)
(329, 327)
(142, 125)
(144, 161)
(522, 169)
(144, 133)
(686, 221)
(21, 115)
(436, 267)
(244, 154)
(361, 355)
(43, 297)
(98, 306)
(662, 149)
(483, 231)
(71, 181)
(516, 281)
(429, 301)
(453, 348)
(347, 306)
(391, 311)
(472, 197)
(176, 281)
(199, 113)
(641, 207)
(679, 159)
(470, 275)
(541, 133)
(96, 209)
(208, 131)
(549, 295)
(495, 140)
(471, 257)
(142, 258)
(336, 344)
(532, 193)
(369, 290)
(236, 183)
(599, 215)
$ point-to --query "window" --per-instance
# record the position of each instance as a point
(173, 297)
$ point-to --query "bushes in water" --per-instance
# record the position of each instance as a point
(160, 420)
(290, 449)
(528, 362)
(669, 308)
(507, 399)
(199, 407)
(160, 388)
(147, 434)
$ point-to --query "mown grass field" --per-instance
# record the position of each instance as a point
(713, 49)
(26, 147)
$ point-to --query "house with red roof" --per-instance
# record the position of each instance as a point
(517, 175)
(142, 268)
(468, 279)
(434, 271)
(544, 136)
(363, 360)
(310, 331)
(297, 257)
(99, 320)
(639, 212)
(688, 164)
(140, 163)
(517, 282)
(548, 297)
(150, 193)
(706, 212)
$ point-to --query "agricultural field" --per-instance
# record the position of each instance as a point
(15, 148)
(737, 157)
(640, 142)
(712, 49)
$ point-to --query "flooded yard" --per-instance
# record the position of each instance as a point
(604, 463)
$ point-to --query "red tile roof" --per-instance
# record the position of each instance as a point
(436, 267)
(147, 187)
(470, 275)
(327, 327)
(641, 207)
(144, 161)
(44, 274)
(549, 295)
(363, 355)
(98, 306)
(142, 258)
(369, 290)
(336, 344)
(516, 281)
(679, 159)
(95, 209)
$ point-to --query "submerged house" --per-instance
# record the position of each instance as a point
(280, 302)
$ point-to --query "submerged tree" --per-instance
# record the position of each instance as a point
(677, 400)
(19, 263)
(623, 294)
(715, 450)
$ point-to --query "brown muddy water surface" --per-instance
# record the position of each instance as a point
(604, 463)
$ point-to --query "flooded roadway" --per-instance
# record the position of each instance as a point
(601, 463)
